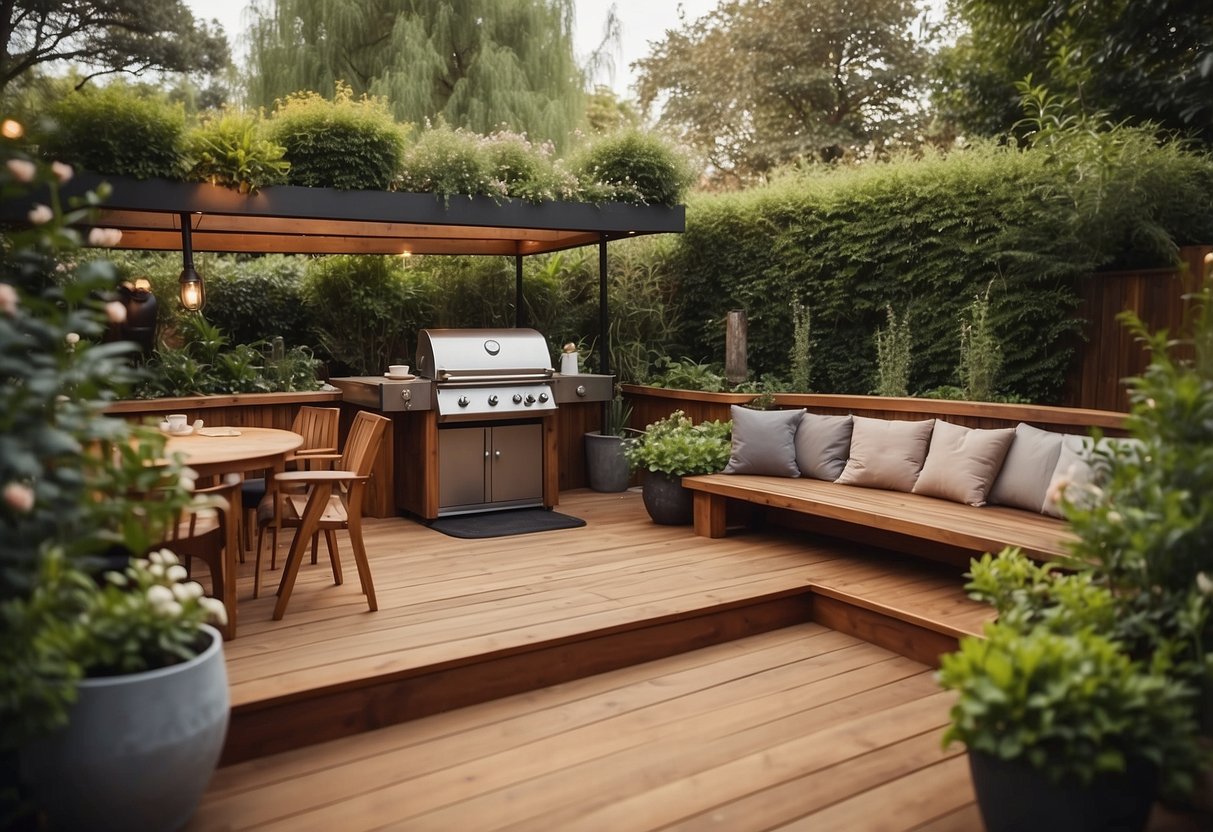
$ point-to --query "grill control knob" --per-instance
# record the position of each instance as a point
(581, 391)
(493, 401)
(543, 397)
(463, 401)
(529, 400)
(517, 398)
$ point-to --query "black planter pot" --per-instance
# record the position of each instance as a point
(668, 503)
(1013, 797)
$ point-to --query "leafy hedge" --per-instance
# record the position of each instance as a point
(347, 143)
(120, 130)
(926, 236)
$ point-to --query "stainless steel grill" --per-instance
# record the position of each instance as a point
(483, 374)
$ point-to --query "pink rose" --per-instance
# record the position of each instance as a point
(104, 237)
(19, 497)
(8, 299)
(62, 170)
(40, 215)
(115, 312)
(23, 170)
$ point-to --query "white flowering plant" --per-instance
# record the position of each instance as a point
(81, 492)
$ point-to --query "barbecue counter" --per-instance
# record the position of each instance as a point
(485, 424)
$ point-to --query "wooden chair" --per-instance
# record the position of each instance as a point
(202, 535)
(318, 427)
(322, 509)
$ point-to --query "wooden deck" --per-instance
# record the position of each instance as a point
(801, 727)
(504, 615)
(618, 676)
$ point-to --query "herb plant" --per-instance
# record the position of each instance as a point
(676, 446)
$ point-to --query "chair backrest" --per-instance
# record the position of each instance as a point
(318, 427)
(191, 524)
(362, 445)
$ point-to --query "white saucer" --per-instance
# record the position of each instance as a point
(398, 378)
(186, 431)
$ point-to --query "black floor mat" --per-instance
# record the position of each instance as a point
(503, 523)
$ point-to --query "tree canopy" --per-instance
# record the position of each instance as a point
(754, 85)
(1136, 60)
(480, 64)
(107, 36)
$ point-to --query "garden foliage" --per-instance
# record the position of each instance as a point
(229, 148)
(347, 143)
(118, 129)
(926, 235)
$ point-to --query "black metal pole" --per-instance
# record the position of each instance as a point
(187, 242)
(519, 308)
(604, 322)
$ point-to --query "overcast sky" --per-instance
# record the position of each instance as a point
(643, 21)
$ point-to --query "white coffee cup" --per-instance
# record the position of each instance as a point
(176, 422)
(398, 369)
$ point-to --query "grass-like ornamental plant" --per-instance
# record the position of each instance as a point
(119, 130)
(676, 446)
(634, 166)
(893, 351)
(346, 143)
(230, 148)
(1071, 706)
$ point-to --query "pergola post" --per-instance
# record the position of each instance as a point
(519, 308)
(604, 322)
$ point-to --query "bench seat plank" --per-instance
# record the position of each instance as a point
(985, 529)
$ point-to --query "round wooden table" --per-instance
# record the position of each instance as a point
(252, 450)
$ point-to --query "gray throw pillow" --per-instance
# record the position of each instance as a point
(1028, 469)
(886, 453)
(764, 442)
(963, 462)
(823, 444)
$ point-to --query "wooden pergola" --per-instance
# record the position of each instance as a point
(154, 215)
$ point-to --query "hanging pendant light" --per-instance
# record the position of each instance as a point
(193, 292)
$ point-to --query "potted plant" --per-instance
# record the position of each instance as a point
(1082, 661)
(673, 448)
(605, 462)
(82, 621)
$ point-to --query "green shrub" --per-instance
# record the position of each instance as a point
(365, 308)
(346, 143)
(799, 355)
(447, 162)
(119, 130)
(634, 166)
(259, 298)
(229, 148)
(675, 446)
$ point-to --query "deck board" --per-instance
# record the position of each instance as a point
(796, 721)
(443, 599)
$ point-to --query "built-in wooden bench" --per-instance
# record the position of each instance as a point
(875, 516)
(984, 529)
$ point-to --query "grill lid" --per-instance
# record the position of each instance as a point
(482, 355)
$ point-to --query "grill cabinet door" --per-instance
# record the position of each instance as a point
(516, 463)
(462, 466)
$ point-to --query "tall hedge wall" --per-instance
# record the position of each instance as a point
(927, 236)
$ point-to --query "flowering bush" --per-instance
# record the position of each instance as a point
(71, 476)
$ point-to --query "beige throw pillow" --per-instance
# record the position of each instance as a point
(886, 453)
(963, 462)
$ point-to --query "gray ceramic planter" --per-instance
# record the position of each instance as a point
(668, 503)
(605, 463)
(138, 751)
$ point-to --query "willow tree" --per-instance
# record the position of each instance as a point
(480, 64)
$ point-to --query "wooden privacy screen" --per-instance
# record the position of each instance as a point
(1110, 353)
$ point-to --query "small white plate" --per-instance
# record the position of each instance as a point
(398, 378)
(185, 431)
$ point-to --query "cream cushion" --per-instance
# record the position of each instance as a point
(963, 462)
(886, 453)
